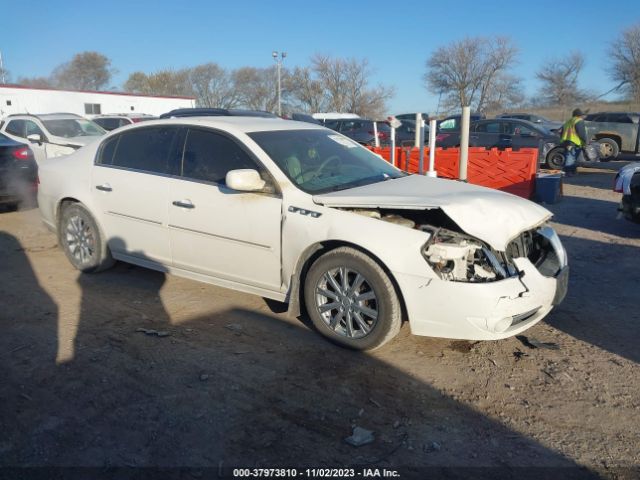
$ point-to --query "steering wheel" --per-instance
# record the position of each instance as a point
(315, 172)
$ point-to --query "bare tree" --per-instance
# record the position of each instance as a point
(625, 67)
(307, 92)
(37, 82)
(559, 77)
(507, 93)
(257, 87)
(213, 86)
(163, 82)
(85, 71)
(346, 85)
(466, 72)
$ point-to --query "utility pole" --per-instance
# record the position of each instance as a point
(279, 57)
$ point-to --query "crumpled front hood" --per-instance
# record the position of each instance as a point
(490, 215)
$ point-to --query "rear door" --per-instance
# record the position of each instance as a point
(487, 134)
(216, 231)
(130, 189)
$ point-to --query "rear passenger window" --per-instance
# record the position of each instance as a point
(492, 127)
(619, 118)
(148, 149)
(209, 156)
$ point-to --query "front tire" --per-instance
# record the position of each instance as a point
(556, 158)
(609, 149)
(351, 300)
(82, 241)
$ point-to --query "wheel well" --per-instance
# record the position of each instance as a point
(63, 203)
(310, 255)
(616, 138)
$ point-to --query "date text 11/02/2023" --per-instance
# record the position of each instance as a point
(315, 473)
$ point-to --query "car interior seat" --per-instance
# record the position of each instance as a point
(293, 166)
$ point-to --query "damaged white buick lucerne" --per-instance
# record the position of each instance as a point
(298, 213)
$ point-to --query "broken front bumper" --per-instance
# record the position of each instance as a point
(481, 311)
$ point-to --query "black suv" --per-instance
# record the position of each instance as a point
(506, 133)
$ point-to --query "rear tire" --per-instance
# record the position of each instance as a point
(351, 300)
(609, 149)
(82, 241)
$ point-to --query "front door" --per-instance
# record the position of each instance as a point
(215, 231)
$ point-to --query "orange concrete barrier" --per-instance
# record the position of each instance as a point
(512, 171)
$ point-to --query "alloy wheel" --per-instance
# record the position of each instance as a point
(80, 239)
(347, 302)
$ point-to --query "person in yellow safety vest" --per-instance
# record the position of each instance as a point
(574, 139)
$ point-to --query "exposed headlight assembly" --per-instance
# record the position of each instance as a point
(458, 257)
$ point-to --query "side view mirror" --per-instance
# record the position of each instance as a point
(35, 138)
(244, 180)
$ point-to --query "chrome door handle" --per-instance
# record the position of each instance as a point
(105, 187)
(183, 204)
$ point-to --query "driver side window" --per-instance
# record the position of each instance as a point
(209, 156)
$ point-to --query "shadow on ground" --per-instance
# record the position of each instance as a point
(235, 388)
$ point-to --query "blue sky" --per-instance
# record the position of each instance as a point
(396, 37)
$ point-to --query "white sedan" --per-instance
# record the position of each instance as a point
(298, 213)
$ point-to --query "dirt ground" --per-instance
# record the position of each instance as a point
(231, 381)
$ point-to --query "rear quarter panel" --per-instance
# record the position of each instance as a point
(65, 177)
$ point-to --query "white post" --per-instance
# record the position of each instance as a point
(432, 149)
(464, 143)
(416, 143)
(420, 127)
(376, 140)
(392, 157)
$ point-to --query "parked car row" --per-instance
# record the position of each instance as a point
(615, 132)
(505, 133)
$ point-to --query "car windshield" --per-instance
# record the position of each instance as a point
(73, 127)
(320, 161)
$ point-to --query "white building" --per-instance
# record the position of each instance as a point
(19, 99)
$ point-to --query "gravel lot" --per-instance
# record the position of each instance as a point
(232, 381)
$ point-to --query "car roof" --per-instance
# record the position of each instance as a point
(216, 112)
(238, 124)
(44, 116)
(58, 116)
(512, 120)
(615, 113)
